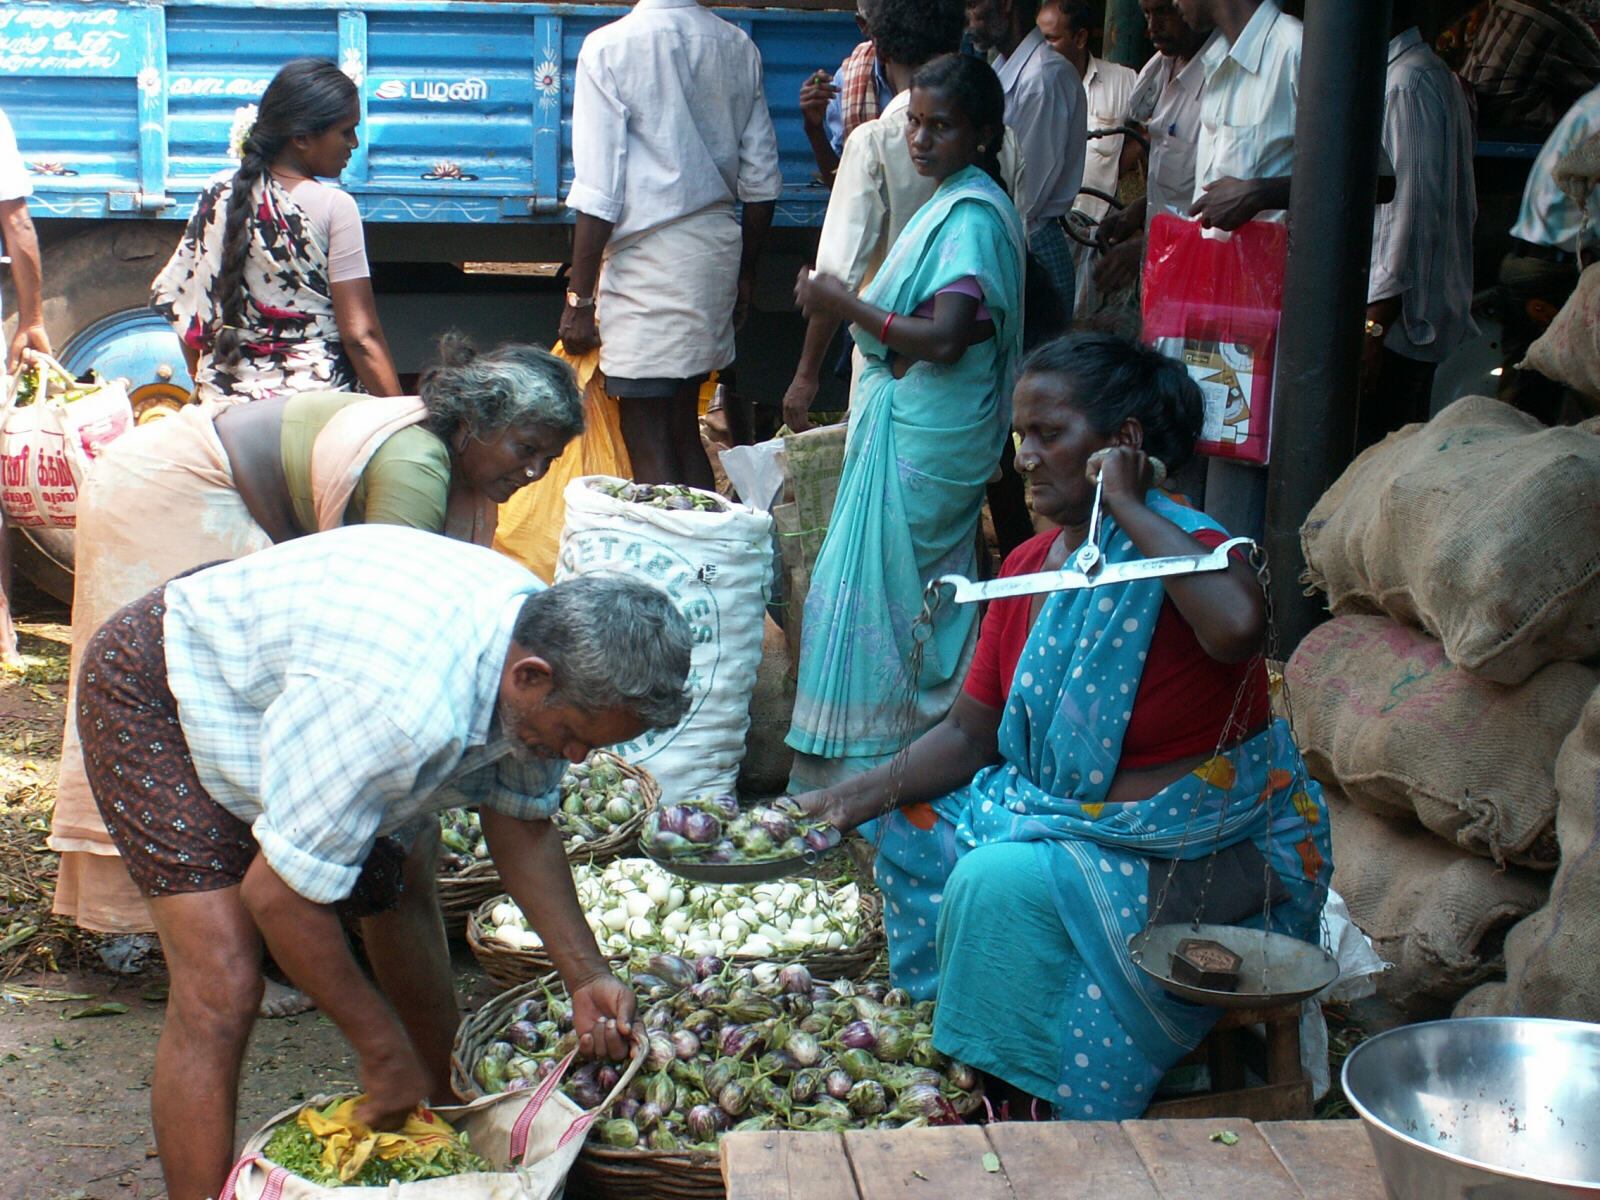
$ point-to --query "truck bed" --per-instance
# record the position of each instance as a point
(123, 110)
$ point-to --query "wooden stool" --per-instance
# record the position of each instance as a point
(1233, 1044)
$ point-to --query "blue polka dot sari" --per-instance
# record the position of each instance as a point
(1022, 899)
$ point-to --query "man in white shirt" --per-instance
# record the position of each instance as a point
(1540, 270)
(1247, 110)
(670, 132)
(1419, 295)
(1243, 160)
(1067, 26)
(1046, 107)
(22, 247)
(1166, 105)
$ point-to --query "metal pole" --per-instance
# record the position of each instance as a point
(1337, 133)
(1125, 40)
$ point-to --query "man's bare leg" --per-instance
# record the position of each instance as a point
(647, 433)
(683, 417)
(213, 957)
(411, 962)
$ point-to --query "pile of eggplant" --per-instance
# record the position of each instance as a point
(737, 1048)
(714, 829)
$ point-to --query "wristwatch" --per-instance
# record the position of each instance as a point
(1375, 329)
(576, 301)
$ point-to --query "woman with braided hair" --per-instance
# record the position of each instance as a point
(270, 289)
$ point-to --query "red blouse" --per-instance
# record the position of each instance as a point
(1184, 695)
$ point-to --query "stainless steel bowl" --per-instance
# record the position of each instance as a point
(1486, 1108)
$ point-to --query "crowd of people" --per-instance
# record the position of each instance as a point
(254, 746)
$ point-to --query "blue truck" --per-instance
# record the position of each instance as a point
(123, 111)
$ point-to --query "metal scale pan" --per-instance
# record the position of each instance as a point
(1277, 969)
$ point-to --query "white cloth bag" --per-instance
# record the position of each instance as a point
(46, 446)
(716, 567)
(538, 1133)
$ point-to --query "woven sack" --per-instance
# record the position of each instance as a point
(767, 757)
(1553, 957)
(1381, 714)
(813, 462)
(1446, 527)
(1568, 351)
(716, 566)
(1438, 915)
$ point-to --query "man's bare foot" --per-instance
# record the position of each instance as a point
(281, 1000)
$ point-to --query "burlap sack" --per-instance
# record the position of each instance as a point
(1447, 527)
(1380, 712)
(1435, 913)
(767, 757)
(1553, 957)
(814, 461)
(1568, 351)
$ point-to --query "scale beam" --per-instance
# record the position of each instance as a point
(1070, 579)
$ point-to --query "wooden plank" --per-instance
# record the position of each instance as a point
(1185, 1164)
(1330, 1160)
(786, 1166)
(941, 1163)
(1070, 1160)
(1268, 1102)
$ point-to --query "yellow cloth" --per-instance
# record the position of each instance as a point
(350, 1143)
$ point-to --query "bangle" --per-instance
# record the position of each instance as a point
(883, 334)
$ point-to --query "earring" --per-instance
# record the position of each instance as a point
(981, 147)
(529, 472)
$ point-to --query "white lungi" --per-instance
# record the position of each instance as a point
(665, 298)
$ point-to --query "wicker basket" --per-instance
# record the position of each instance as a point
(603, 1172)
(462, 891)
(507, 967)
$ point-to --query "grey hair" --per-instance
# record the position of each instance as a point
(511, 385)
(612, 642)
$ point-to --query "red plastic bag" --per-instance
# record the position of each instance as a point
(1212, 300)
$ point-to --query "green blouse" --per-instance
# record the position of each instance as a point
(407, 482)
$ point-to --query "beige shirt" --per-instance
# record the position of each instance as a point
(1167, 103)
(1108, 87)
(877, 190)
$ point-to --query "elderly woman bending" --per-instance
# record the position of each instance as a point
(1108, 741)
(214, 482)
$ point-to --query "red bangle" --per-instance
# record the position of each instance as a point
(883, 334)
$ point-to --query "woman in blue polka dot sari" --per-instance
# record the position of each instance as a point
(1113, 753)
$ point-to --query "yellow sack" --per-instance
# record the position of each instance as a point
(530, 522)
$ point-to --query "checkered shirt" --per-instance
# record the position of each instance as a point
(338, 686)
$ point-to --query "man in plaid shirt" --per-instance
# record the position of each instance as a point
(267, 740)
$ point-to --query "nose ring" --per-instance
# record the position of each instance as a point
(530, 473)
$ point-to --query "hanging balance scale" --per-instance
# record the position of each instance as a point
(1223, 966)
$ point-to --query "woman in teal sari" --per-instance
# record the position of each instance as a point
(940, 329)
(1111, 762)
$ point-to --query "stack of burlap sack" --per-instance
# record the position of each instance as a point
(1450, 714)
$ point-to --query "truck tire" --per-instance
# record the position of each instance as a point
(97, 291)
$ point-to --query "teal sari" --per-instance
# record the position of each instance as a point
(919, 452)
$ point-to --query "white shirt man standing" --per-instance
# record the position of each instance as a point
(1419, 294)
(1166, 105)
(1047, 109)
(670, 132)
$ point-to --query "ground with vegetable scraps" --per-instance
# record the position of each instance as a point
(76, 1039)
